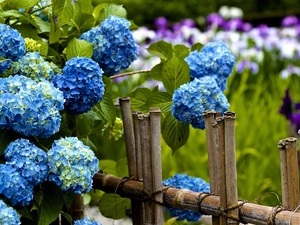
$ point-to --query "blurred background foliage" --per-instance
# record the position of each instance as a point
(143, 12)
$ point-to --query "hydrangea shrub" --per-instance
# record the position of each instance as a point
(8, 215)
(85, 221)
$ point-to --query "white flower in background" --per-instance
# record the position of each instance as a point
(230, 12)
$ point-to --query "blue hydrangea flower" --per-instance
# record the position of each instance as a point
(214, 59)
(183, 181)
(192, 99)
(8, 215)
(15, 187)
(81, 83)
(30, 108)
(5, 65)
(33, 65)
(72, 165)
(12, 44)
(30, 161)
(85, 221)
(114, 47)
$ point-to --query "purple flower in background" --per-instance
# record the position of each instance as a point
(263, 30)
(215, 19)
(247, 64)
(290, 110)
(235, 24)
(161, 23)
(246, 27)
(188, 23)
(289, 21)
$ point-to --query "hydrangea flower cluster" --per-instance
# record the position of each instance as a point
(30, 108)
(183, 181)
(214, 59)
(113, 131)
(14, 187)
(85, 221)
(81, 83)
(12, 46)
(192, 99)
(8, 215)
(30, 161)
(72, 165)
(33, 65)
(32, 45)
(114, 47)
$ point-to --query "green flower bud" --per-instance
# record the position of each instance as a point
(113, 131)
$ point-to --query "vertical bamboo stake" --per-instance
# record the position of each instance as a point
(128, 134)
(230, 162)
(155, 115)
(284, 174)
(293, 173)
(130, 150)
(147, 166)
(139, 165)
(211, 142)
(222, 169)
(77, 208)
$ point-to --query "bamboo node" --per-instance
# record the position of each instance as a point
(272, 214)
(160, 191)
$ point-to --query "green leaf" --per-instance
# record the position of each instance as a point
(181, 51)
(55, 33)
(85, 6)
(87, 141)
(112, 10)
(138, 99)
(106, 109)
(92, 115)
(83, 22)
(198, 46)
(97, 10)
(156, 72)
(44, 26)
(62, 12)
(175, 73)
(108, 166)
(67, 216)
(162, 100)
(174, 132)
(122, 168)
(171, 221)
(161, 49)
(18, 4)
(113, 206)
(79, 48)
(51, 204)
(84, 125)
(68, 198)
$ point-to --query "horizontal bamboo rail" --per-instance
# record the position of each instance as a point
(202, 202)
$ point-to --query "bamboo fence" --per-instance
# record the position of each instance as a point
(149, 196)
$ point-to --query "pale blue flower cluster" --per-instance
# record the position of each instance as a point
(183, 181)
(8, 215)
(114, 47)
(30, 161)
(72, 165)
(15, 187)
(192, 99)
(85, 221)
(33, 65)
(214, 59)
(81, 83)
(30, 108)
(12, 46)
